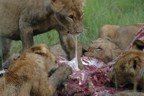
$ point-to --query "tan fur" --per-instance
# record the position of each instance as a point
(57, 50)
(103, 49)
(108, 31)
(120, 35)
(129, 69)
(20, 20)
(1, 85)
(28, 75)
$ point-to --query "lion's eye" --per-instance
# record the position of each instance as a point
(71, 16)
(99, 49)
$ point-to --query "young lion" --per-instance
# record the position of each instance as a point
(120, 35)
(103, 49)
(129, 69)
(28, 75)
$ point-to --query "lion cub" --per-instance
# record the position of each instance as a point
(103, 49)
(120, 35)
(28, 75)
(129, 69)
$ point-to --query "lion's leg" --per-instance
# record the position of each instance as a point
(26, 32)
(6, 44)
(59, 77)
(44, 88)
(4, 49)
(68, 44)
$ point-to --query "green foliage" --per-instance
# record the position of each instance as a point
(97, 14)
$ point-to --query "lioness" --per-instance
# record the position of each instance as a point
(129, 69)
(21, 20)
(28, 75)
(103, 49)
(120, 35)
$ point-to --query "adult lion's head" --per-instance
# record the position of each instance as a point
(69, 15)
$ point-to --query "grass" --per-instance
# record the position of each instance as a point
(118, 12)
(97, 14)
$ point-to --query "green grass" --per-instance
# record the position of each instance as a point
(118, 12)
(97, 14)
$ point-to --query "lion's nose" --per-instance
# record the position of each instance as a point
(79, 30)
(68, 32)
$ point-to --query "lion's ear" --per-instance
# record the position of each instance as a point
(57, 5)
(135, 62)
(40, 49)
(138, 44)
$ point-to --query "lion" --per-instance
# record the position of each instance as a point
(103, 49)
(120, 35)
(21, 20)
(129, 69)
(28, 76)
